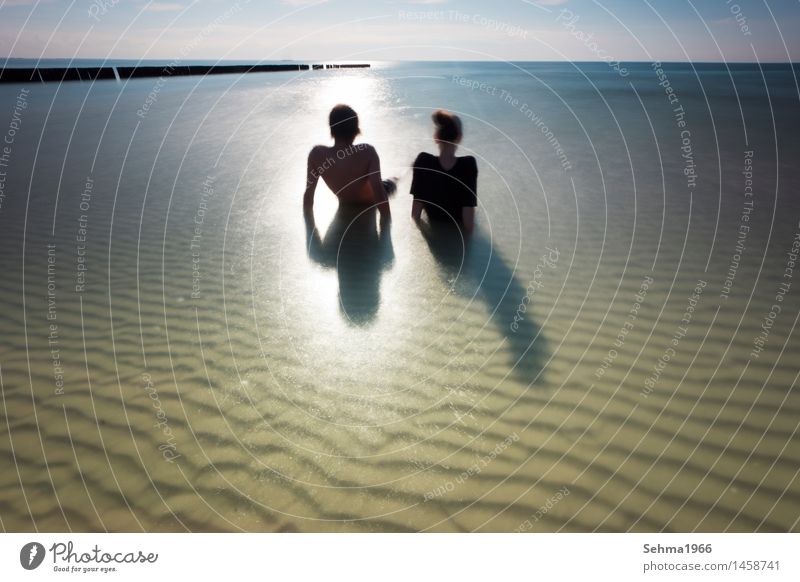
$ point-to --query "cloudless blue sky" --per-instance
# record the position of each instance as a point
(701, 30)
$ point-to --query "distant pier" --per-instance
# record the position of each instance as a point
(59, 74)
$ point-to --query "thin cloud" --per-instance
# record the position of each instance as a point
(163, 7)
(24, 2)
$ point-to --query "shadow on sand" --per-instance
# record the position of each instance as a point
(474, 269)
(360, 253)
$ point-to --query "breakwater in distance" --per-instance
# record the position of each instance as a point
(59, 74)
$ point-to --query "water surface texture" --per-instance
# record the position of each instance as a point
(614, 349)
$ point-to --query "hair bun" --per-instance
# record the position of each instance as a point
(448, 126)
(440, 117)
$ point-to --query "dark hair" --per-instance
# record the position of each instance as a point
(448, 126)
(344, 122)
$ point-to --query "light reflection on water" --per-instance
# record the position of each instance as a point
(329, 375)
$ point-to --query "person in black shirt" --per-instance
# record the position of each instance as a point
(445, 186)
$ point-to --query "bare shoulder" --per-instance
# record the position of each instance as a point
(368, 151)
(368, 148)
(317, 152)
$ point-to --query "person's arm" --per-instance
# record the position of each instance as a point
(313, 240)
(416, 209)
(471, 199)
(424, 228)
(468, 218)
(374, 171)
(385, 243)
(311, 180)
(416, 188)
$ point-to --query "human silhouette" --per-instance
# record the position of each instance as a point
(445, 189)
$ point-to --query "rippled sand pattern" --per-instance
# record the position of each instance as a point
(229, 366)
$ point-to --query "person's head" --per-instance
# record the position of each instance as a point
(344, 123)
(448, 127)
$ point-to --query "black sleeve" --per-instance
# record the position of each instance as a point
(471, 184)
(420, 179)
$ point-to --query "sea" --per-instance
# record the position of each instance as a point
(613, 348)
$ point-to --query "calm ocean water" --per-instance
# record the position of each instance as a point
(613, 350)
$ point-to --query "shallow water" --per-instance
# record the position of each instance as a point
(228, 365)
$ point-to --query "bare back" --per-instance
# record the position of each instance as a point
(350, 171)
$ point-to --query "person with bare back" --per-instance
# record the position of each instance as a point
(352, 243)
(351, 171)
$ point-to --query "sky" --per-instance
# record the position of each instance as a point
(371, 30)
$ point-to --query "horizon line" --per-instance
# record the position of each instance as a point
(256, 60)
